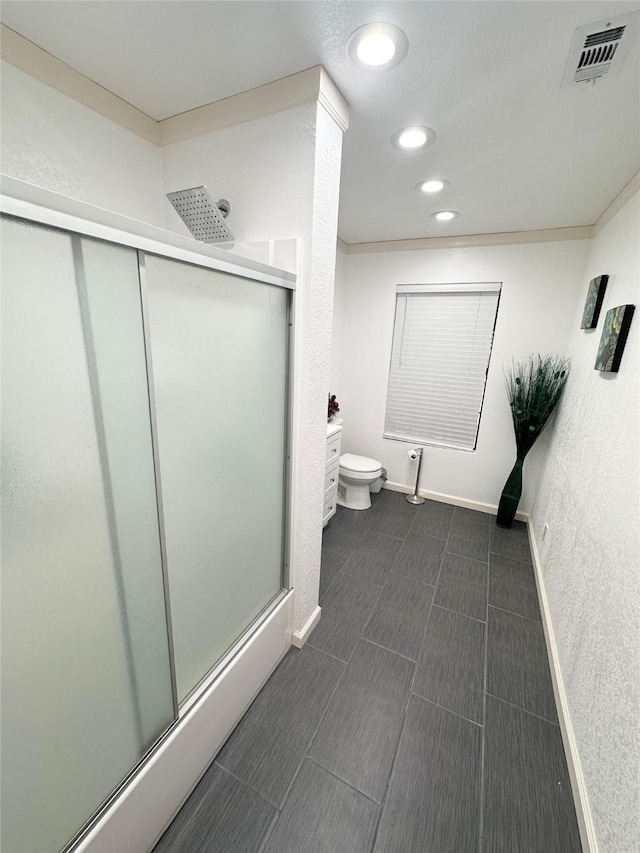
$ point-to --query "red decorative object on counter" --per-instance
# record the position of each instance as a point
(334, 407)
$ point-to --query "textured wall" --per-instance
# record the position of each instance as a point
(50, 140)
(589, 496)
(281, 174)
(537, 305)
(263, 167)
(314, 318)
(335, 384)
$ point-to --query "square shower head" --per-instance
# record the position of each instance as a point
(201, 215)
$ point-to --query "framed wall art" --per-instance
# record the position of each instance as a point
(593, 304)
(614, 336)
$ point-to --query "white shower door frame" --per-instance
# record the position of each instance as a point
(139, 810)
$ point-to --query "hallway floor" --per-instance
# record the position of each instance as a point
(419, 716)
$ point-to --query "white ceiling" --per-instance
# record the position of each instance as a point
(520, 152)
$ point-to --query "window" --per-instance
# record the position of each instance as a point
(442, 341)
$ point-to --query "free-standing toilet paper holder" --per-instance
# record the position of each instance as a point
(415, 497)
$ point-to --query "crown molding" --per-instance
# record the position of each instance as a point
(27, 56)
(507, 238)
(305, 87)
(284, 94)
(331, 99)
(618, 203)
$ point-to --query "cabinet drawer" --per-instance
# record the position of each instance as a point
(333, 448)
(330, 502)
(331, 477)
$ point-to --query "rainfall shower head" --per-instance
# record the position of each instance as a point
(203, 217)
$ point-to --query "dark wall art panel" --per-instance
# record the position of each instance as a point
(593, 304)
(614, 336)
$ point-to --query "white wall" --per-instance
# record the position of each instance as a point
(589, 496)
(263, 167)
(337, 325)
(537, 305)
(50, 140)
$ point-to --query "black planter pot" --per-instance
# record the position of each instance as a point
(510, 497)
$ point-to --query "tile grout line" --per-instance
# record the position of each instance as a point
(426, 624)
(333, 550)
(415, 671)
(331, 583)
(448, 710)
(390, 576)
(386, 649)
(393, 764)
(508, 557)
(363, 580)
(459, 613)
(409, 578)
(344, 781)
(448, 537)
(370, 617)
(242, 782)
(304, 756)
(435, 586)
(404, 720)
(513, 613)
(269, 831)
(484, 716)
(524, 710)
(328, 654)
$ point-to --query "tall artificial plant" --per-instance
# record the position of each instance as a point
(534, 389)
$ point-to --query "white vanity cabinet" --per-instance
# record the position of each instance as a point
(332, 463)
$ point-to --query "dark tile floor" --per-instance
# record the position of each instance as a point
(419, 716)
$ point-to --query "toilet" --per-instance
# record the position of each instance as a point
(355, 475)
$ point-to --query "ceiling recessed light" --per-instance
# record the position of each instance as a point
(434, 185)
(445, 215)
(376, 49)
(413, 137)
(377, 46)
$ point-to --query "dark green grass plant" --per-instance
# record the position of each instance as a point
(534, 389)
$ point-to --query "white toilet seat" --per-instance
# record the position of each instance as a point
(355, 475)
(360, 465)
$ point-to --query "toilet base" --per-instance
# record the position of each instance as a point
(354, 497)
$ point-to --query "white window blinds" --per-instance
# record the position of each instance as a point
(442, 341)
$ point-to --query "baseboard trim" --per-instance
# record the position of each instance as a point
(299, 638)
(578, 785)
(452, 499)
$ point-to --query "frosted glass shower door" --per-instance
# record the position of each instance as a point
(219, 351)
(86, 683)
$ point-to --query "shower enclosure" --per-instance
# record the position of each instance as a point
(144, 498)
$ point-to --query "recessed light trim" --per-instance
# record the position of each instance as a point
(377, 46)
(411, 138)
(445, 215)
(432, 185)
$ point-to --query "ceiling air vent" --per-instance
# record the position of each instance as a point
(598, 49)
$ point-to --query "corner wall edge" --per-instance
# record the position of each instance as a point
(618, 203)
(299, 638)
(330, 97)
